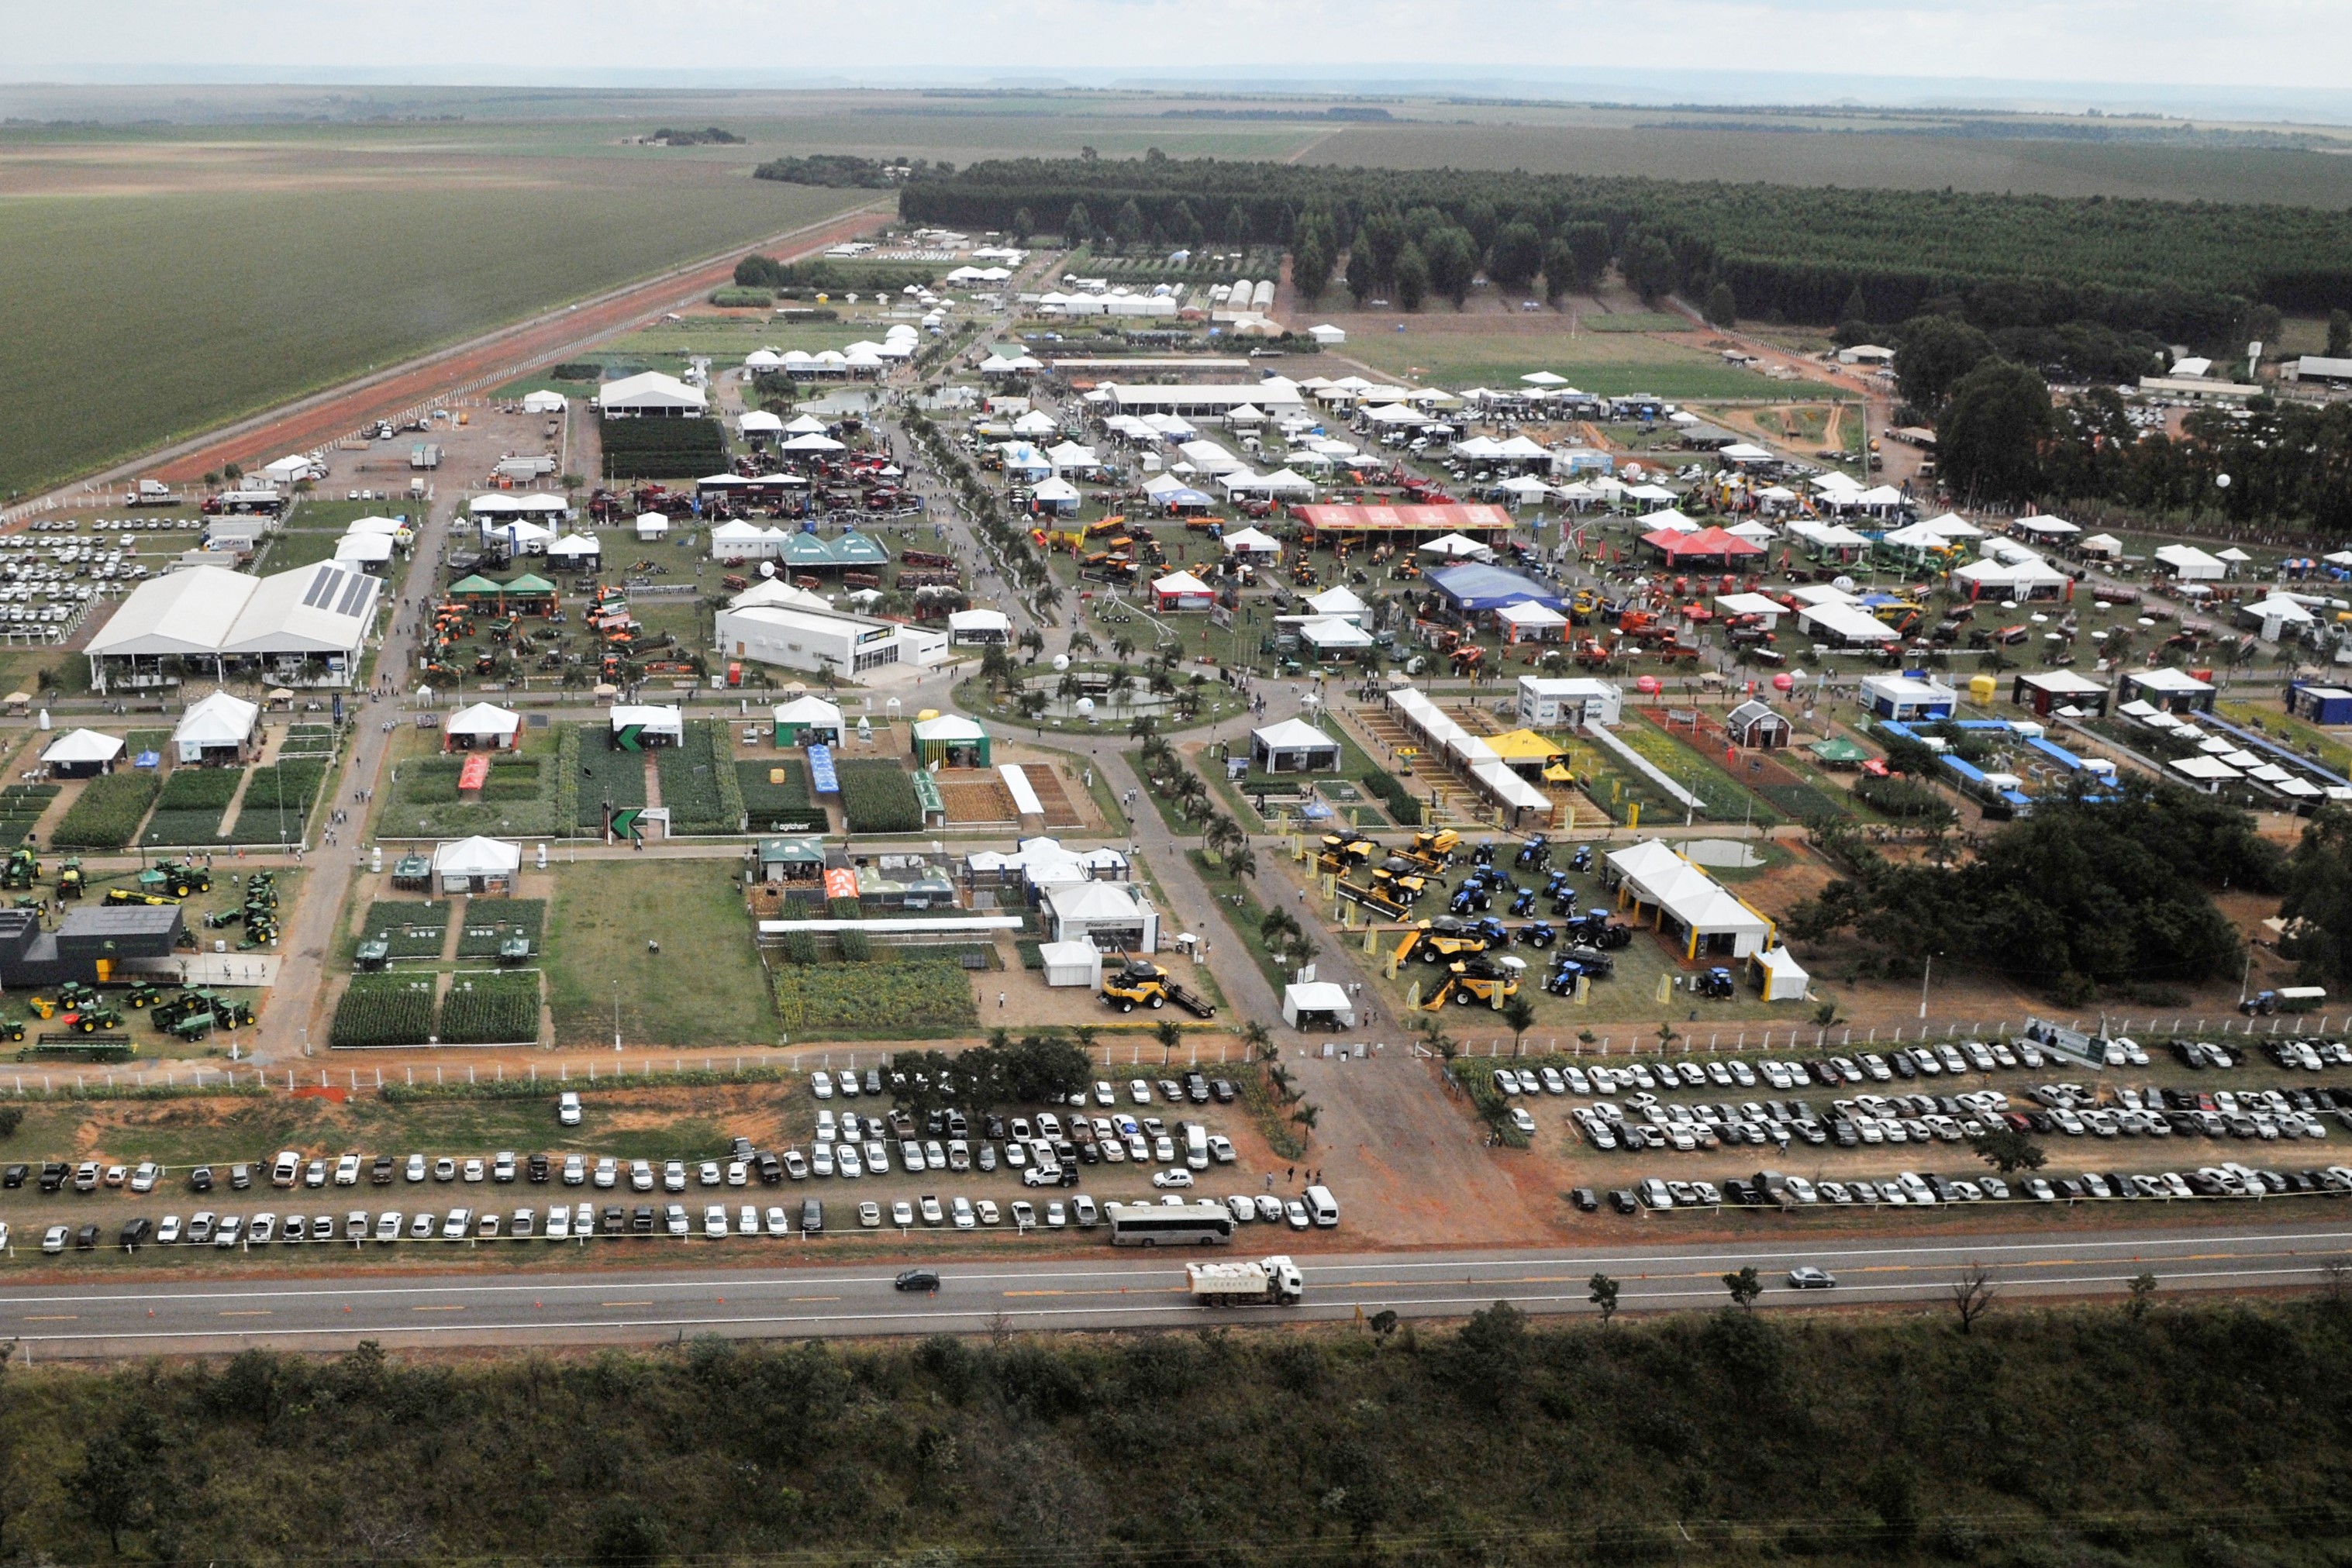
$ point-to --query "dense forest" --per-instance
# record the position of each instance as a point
(2211, 1435)
(2189, 272)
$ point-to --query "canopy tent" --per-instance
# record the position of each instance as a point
(1670, 520)
(1834, 622)
(1454, 547)
(760, 422)
(543, 402)
(476, 865)
(1486, 771)
(575, 548)
(365, 549)
(807, 720)
(1330, 636)
(1181, 590)
(1480, 587)
(1318, 1004)
(1251, 541)
(390, 528)
(652, 526)
(484, 727)
(218, 724)
(1779, 976)
(1713, 920)
(1530, 622)
(1071, 964)
(2098, 544)
(1294, 746)
(1340, 602)
(968, 628)
(1058, 495)
(1707, 544)
(2190, 564)
(951, 741)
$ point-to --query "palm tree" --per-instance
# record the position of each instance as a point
(1279, 1076)
(1144, 727)
(1307, 1115)
(1170, 1034)
(1243, 862)
(1257, 1040)
(1520, 1014)
(1432, 1028)
(1085, 1037)
(1032, 643)
(1124, 646)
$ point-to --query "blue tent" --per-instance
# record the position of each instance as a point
(1475, 586)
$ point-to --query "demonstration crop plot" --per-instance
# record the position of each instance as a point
(705, 988)
(882, 1000)
(779, 806)
(108, 812)
(490, 921)
(519, 798)
(608, 775)
(308, 740)
(277, 802)
(879, 798)
(490, 1008)
(21, 806)
(697, 781)
(412, 930)
(383, 1010)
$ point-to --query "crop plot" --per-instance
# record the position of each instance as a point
(383, 1010)
(411, 929)
(490, 1008)
(489, 923)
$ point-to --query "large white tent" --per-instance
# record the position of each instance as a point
(1711, 919)
(303, 627)
(653, 393)
(220, 724)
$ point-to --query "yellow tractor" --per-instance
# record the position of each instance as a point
(1341, 854)
(1446, 938)
(1434, 851)
(1477, 979)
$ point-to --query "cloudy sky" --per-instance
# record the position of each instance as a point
(1732, 49)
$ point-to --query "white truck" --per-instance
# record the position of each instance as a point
(152, 492)
(1269, 1281)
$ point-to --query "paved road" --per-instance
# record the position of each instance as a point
(855, 1295)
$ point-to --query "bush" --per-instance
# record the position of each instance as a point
(879, 798)
(743, 299)
(577, 370)
(1403, 810)
(383, 1010)
(107, 813)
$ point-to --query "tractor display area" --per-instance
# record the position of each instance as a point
(1630, 992)
(639, 617)
(403, 956)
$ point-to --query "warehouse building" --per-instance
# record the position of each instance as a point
(95, 946)
(799, 637)
(298, 628)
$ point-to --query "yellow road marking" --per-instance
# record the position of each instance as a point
(54, 1318)
(436, 1309)
(625, 1303)
(246, 1312)
(812, 1298)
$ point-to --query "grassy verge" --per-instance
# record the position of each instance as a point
(704, 990)
(1237, 902)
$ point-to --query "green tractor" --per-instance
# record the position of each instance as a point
(70, 880)
(195, 1025)
(177, 878)
(22, 871)
(89, 1020)
(144, 994)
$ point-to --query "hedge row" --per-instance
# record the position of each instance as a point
(1403, 809)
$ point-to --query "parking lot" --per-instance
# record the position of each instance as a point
(846, 1163)
(1954, 1122)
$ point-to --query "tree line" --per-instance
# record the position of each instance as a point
(1734, 1434)
(2187, 271)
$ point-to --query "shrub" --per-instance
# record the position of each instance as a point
(577, 370)
(743, 299)
(1403, 810)
(107, 812)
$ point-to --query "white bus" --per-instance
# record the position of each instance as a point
(1162, 1225)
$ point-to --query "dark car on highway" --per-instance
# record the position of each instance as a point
(919, 1280)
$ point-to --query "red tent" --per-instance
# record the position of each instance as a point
(1707, 544)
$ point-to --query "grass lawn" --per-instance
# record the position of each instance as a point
(1454, 352)
(704, 990)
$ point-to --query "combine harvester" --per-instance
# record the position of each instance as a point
(1138, 982)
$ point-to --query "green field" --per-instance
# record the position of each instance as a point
(262, 295)
(1441, 349)
(705, 989)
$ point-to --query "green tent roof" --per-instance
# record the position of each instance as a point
(1838, 748)
(807, 549)
(527, 583)
(856, 549)
(475, 585)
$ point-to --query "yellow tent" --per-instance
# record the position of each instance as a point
(1528, 754)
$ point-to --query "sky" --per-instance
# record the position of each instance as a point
(2148, 53)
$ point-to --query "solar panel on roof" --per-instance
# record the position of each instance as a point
(321, 587)
(361, 589)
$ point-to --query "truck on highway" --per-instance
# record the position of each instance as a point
(1274, 1281)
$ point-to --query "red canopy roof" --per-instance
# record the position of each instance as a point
(1706, 542)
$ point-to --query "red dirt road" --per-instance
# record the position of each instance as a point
(499, 357)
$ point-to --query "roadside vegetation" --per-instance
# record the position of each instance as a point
(1975, 1432)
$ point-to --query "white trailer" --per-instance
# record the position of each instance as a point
(1269, 1281)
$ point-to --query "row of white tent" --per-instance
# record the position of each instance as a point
(1479, 760)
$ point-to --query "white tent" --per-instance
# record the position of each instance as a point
(2190, 564)
(575, 547)
(1341, 601)
(1182, 591)
(1035, 423)
(1522, 621)
(651, 392)
(760, 422)
(483, 726)
(812, 443)
(1294, 746)
(391, 528)
(805, 424)
(652, 525)
(83, 750)
(1329, 634)
(808, 719)
(218, 722)
(1056, 492)
(365, 549)
(543, 402)
(1783, 979)
(1318, 999)
(1251, 541)
(1671, 520)
(1072, 963)
(475, 865)
(1454, 547)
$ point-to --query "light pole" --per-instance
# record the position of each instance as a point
(1925, 971)
(616, 1018)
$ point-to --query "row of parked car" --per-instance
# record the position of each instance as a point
(1195, 1088)
(1590, 1078)
(1914, 1188)
(582, 1222)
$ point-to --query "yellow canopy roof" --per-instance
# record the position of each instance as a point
(1523, 745)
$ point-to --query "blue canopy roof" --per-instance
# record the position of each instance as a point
(1476, 586)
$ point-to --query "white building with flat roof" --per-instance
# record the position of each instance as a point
(796, 637)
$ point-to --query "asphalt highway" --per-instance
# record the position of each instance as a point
(1123, 1289)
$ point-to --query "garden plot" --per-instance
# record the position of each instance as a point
(277, 802)
(487, 1007)
(107, 813)
(410, 928)
(189, 809)
(887, 997)
(21, 806)
(605, 774)
(878, 796)
(518, 798)
(382, 1010)
(699, 786)
(489, 922)
(778, 805)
